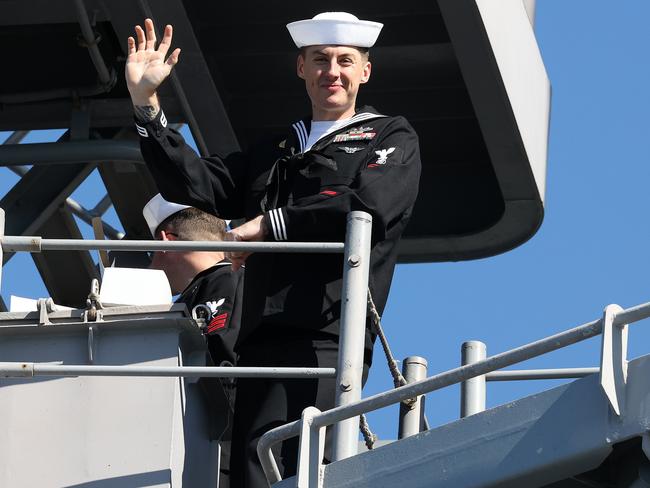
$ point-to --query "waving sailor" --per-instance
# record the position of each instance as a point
(299, 187)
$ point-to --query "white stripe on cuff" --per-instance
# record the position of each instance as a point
(273, 225)
(141, 130)
(277, 223)
(283, 228)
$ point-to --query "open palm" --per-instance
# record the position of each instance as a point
(146, 67)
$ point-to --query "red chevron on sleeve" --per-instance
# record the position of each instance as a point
(218, 322)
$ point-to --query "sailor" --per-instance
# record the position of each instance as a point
(298, 187)
(202, 279)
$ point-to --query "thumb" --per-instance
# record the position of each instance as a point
(173, 57)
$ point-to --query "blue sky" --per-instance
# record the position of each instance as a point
(591, 250)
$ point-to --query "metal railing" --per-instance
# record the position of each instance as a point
(473, 392)
(311, 428)
(356, 251)
(472, 374)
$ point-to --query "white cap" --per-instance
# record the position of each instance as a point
(334, 28)
(158, 209)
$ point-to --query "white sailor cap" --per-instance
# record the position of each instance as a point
(334, 28)
(158, 209)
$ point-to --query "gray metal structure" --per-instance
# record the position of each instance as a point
(354, 296)
(566, 437)
(438, 63)
(612, 386)
(411, 418)
(104, 431)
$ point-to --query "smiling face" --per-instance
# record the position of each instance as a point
(332, 77)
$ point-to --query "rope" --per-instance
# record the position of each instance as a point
(398, 378)
(368, 436)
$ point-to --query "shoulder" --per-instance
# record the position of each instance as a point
(397, 122)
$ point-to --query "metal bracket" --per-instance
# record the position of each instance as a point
(92, 342)
(200, 314)
(311, 451)
(45, 306)
(93, 312)
(613, 359)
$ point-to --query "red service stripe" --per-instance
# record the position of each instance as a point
(217, 325)
(372, 165)
(222, 316)
(329, 192)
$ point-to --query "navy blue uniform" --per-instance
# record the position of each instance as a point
(219, 289)
(370, 164)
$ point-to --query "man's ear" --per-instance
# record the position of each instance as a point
(300, 66)
(164, 236)
(365, 76)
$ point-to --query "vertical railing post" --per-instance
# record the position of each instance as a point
(356, 265)
(411, 417)
(2, 233)
(472, 391)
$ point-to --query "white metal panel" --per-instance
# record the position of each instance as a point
(511, 35)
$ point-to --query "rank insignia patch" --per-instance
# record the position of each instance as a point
(382, 157)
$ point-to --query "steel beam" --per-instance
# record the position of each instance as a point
(191, 84)
(67, 275)
(33, 200)
(65, 153)
(35, 12)
(103, 112)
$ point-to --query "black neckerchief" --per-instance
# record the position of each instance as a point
(283, 171)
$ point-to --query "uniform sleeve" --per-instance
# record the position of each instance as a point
(211, 184)
(385, 187)
(224, 299)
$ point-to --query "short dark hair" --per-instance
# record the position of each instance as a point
(365, 52)
(192, 224)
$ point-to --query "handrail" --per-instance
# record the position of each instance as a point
(539, 374)
(441, 380)
(38, 244)
(356, 250)
(30, 370)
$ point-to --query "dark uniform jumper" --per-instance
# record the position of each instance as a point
(219, 288)
(292, 301)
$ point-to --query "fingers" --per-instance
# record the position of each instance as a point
(238, 260)
(166, 42)
(130, 46)
(173, 57)
(141, 38)
(150, 33)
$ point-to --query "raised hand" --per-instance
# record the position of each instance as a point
(146, 67)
